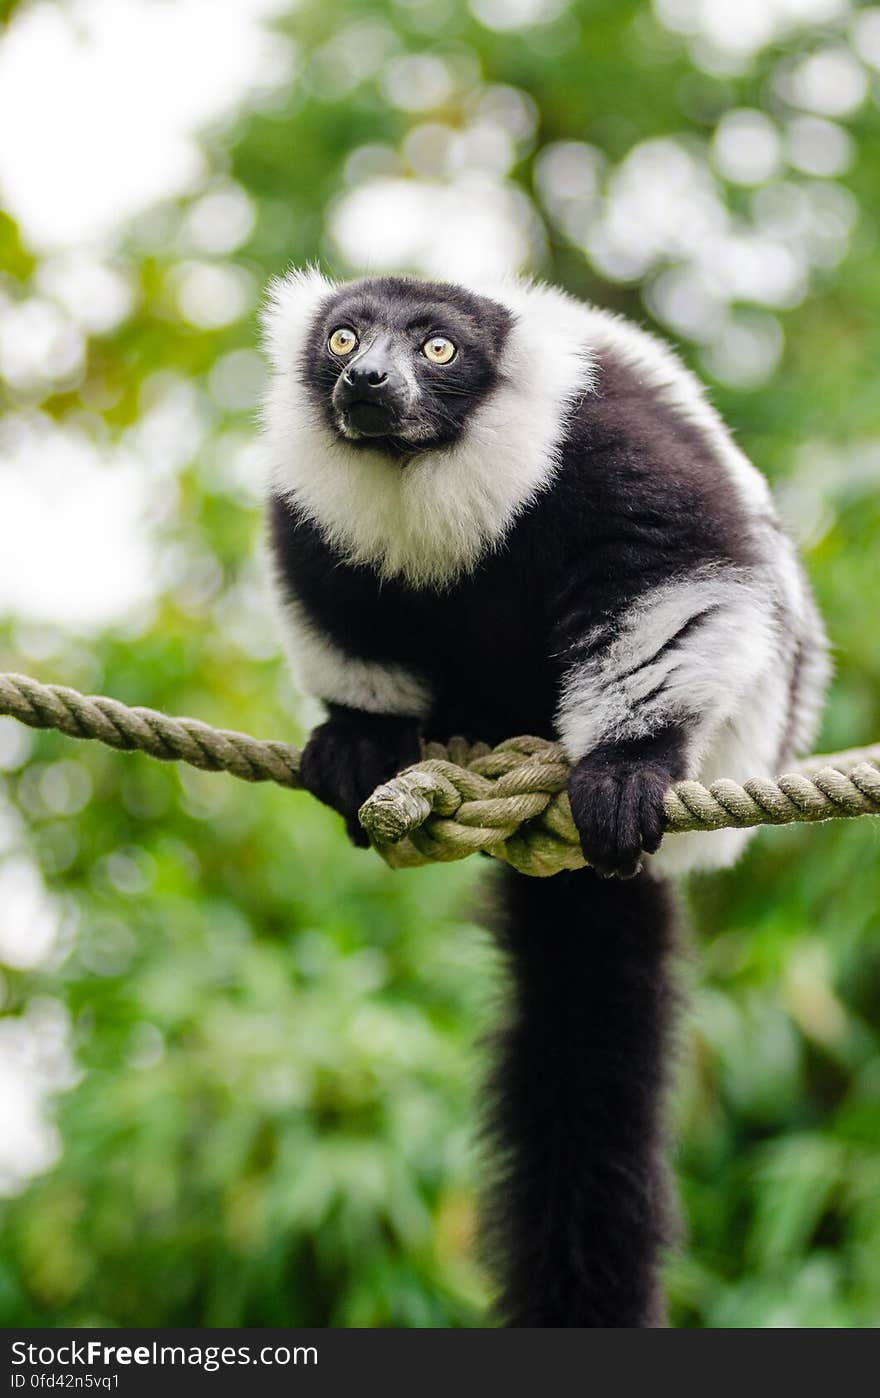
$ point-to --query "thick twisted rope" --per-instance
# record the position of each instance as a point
(146, 730)
(508, 801)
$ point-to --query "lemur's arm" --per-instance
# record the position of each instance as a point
(331, 617)
(644, 692)
(373, 714)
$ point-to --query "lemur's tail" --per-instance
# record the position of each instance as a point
(580, 1207)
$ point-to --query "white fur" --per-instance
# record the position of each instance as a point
(320, 668)
(433, 520)
(744, 745)
(730, 676)
(703, 674)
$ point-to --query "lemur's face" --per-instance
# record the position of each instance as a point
(400, 365)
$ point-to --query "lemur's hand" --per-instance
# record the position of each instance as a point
(616, 794)
(351, 754)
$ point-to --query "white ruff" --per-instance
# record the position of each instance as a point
(431, 521)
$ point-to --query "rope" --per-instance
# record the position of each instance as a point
(145, 730)
(508, 801)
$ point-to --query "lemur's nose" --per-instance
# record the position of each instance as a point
(362, 376)
(371, 392)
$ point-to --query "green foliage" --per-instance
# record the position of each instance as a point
(272, 1120)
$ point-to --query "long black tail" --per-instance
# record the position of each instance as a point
(580, 1206)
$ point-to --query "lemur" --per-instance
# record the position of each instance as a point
(500, 511)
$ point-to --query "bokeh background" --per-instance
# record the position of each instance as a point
(238, 1059)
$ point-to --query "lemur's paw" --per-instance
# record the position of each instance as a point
(617, 808)
(346, 759)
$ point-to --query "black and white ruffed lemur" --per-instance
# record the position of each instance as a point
(501, 511)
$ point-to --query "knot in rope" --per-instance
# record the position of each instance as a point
(511, 802)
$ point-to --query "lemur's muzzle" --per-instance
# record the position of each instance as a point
(371, 393)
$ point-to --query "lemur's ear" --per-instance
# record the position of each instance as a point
(291, 304)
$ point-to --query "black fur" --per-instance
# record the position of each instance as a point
(351, 754)
(616, 793)
(580, 1211)
(580, 1206)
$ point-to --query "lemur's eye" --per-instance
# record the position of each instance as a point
(438, 349)
(342, 341)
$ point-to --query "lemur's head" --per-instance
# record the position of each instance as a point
(413, 420)
(402, 365)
